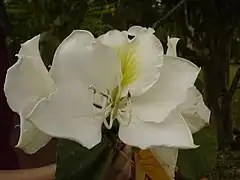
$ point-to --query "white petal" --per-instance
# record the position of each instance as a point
(68, 113)
(114, 39)
(135, 30)
(81, 57)
(177, 75)
(173, 132)
(172, 46)
(31, 139)
(31, 48)
(139, 71)
(167, 158)
(142, 61)
(27, 81)
(194, 110)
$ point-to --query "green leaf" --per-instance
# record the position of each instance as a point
(196, 163)
(76, 162)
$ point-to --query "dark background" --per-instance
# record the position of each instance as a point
(10, 157)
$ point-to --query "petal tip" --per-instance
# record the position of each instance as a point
(35, 39)
(30, 47)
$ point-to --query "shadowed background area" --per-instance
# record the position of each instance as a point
(10, 157)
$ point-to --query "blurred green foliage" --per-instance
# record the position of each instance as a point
(76, 162)
(197, 163)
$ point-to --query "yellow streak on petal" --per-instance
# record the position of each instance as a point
(130, 65)
(130, 72)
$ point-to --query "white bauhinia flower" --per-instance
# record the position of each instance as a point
(152, 85)
(131, 81)
(193, 110)
(60, 103)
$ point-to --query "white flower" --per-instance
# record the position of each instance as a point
(129, 80)
(59, 103)
(193, 110)
(157, 85)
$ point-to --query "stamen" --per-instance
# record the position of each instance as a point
(127, 110)
(104, 104)
(103, 108)
(129, 104)
(112, 118)
(107, 110)
(109, 126)
(104, 95)
(129, 94)
(97, 106)
(120, 119)
(91, 87)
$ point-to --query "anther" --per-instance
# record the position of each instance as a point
(91, 87)
(104, 95)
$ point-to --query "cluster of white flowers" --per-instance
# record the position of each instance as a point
(151, 94)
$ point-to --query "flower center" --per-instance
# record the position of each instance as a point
(113, 106)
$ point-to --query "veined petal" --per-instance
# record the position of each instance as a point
(177, 75)
(140, 57)
(81, 57)
(141, 62)
(68, 113)
(172, 47)
(114, 39)
(167, 158)
(31, 139)
(173, 132)
(27, 81)
(194, 110)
